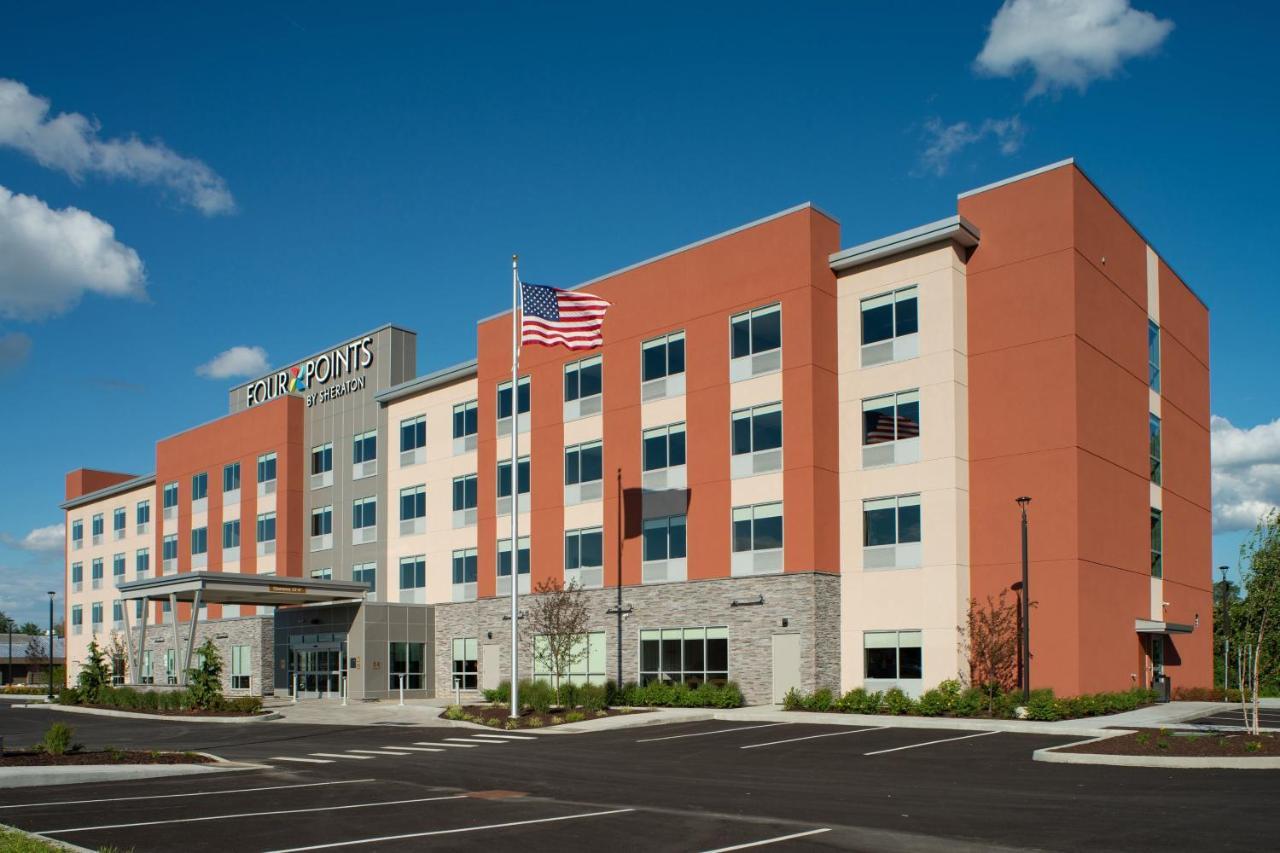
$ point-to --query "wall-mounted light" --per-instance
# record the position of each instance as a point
(220, 636)
(747, 602)
(786, 623)
(488, 635)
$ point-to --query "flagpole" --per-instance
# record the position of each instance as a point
(515, 491)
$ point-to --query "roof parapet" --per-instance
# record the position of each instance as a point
(955, 229)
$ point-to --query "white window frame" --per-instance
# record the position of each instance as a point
(669, 566)
(504, 501)
(899, 554)
(756, 560)
(670, 383)
(898, 450)
(417, 454)
(415, 524)
(580, 406)
(895, 347)
(524, 572)
(504, 424)
(755, 362)
(324, 477)
(586, 576)
(583, 491)
(765, 460)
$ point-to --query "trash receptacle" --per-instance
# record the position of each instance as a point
(1161, 686)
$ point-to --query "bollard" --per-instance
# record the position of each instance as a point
(402, 689)
(457, 691)
(295, 688)
(344, 691)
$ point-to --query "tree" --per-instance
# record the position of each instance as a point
(118, 657)
(1260, 614)
(558, 620)
(990, 642)
(205, 678)
(95, 674)
(37, 653)
(30, 628)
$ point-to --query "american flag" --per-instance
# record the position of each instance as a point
(552, 316)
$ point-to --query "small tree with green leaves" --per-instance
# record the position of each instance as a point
(558, 620)
(205, 679)
(1260, 612)
(95, 674)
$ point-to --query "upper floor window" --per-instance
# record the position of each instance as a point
(142, 561)
(891, 532)
(504, 484)
(464, 574)
(322, 465)
(755, 342)
(266, 530)
(663, 448)
(890, 324)
(465, 426)
(169, 549)
(1153, 355)
(504, 398)
(199, 540)
(96, 569)
(584, 557)
(364, 454)
(96, 611)
(504, 565)
(665, 546)
(118, 519)
(199, 487)
(96, 521)
(662, 357)
(413, 436)
(1154, 443)
(267, 468)
(77, 533)
(117, 566)
(413, 507)
(231, 534)
(1157, 544)
(143, 515)
(366, 573)
(169, 497)
(364, 512)
(758, 527)
(891, 429)
(413, 572)
(757, 440)
(583, 387)
(583, 472)
(321, 521)
(77, 575)
(231, 477)
(465, 500)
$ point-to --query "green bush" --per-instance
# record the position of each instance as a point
(820, 700)
(793, 701)
(206, 678)
(537, 695)
(663, 695)
(898, 703)
(95, 675)
(69, 696)
(454, 712)
(501, 695)
(568, 695)
(859, 701)
(1044, 707)
(574, 717)
(593, 697)
(57, 740)
(243, 704)
(940, 700)
(970, 703)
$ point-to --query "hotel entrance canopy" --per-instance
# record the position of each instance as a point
(197, 588)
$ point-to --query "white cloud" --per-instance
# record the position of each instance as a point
(237, 361)
(944, 141)
(1246, 472)
(1068, 43)
(14, 349)
(49, 539)
(69, 142)
(49, 258)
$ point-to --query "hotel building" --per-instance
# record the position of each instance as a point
(791, 464)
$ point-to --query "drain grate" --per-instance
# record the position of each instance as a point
(497, 795)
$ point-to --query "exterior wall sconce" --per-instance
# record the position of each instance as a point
(747, 602)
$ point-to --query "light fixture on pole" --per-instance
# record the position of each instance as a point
(51, 595)
(1026, 606)
(1226, 632)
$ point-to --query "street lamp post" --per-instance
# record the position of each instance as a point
(1226, 633)
(1026, 606)
(8, 676)
(51, 595)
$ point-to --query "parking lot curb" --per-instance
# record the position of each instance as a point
(185, 718)
(40, 839)
(1053, 756)
(893, 722)
(30, 777)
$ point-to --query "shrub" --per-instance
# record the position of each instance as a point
(95, 675)
(793, 701)
(568, 695)
(969, 703)
(574, 717)
(244, 704)
(206, 678)
(57, 739)
(1043, 706)
(820, 700)
(534, 723)
(538, 695)
(896, 702)
(69, 696)
(942, 699)
(500, 695)
(859, 701)
(556, 720)
(454, 712)
(593, 697)
(492, 722)
(511, 724)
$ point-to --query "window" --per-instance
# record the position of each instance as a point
(96, 523)
(662, 357)
(118, 518)
(1153, 355)
(366, 573)
(664, 447)
(96, 618)
(148, 671)
(142, 561)
(466, 421)
(322, 465)
(586, 663)
(322, 528)
(1154, 436)
(756, 331)
(364, 520)
(413, 503)
(199, 540)
(143, 515)
(466, 665)
(413, 572)
(465, 500)
(413, 435)
(77, 534)
(583, 387)
(266, 472)
(892, 655)
(1157, 545)
(757, 440)
(584, 557)
(169, 553)
(231, 477)
(77, 619)
(241, 667)
(170, 665)
(322, 574)
(504, 565)
(231, 534)
(889, 423)
(117, 567)
(77, 577)
(464, 574)
(504, 398)
(266, 531)
(891, 533)
(504, 484)
(689, 656)
(169, 497)
(117, 611)
(406, 666)
(664, 538)
(199, 487)
(583, 472)
(889, 327)
(364, 454)
(757, 528)
(96, 570)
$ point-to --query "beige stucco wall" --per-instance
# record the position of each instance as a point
(930, 598)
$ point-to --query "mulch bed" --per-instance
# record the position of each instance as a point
(188, 713)
(1183, 743)
(120, 756)
(502, 714)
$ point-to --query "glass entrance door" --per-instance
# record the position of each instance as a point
(319, 671)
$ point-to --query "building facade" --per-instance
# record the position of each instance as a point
(790, 465)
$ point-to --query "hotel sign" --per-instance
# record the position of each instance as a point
(326, 377)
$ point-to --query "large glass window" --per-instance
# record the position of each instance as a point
(364, 512)
(241, 667)
(583, 463)
(891, 521)
(465, 492)
(266, 531)
(465, 419)
(664, 447)
(893, 417)
(413, 433)
(690, 656)
(890, 315)
(583, 549)
(267, 468)
(892, 655)
(757, 528)
(585, 665)
(231, 534)
(1157, 544)
(169, 496)
(117, 567)
(583, 378)
(118, 519)
(413, 503)
(504, 398)
(1154, 437)
(322, 521)
(366, 573)
(142, 561)
(199, 540)
(322, 458)
(199, 486)
(662, 357)
(756, 331)
(758, 428)
(664, 538)
(504, 557)
(364, 447)
(465, 563)
(231, 477)
(466, 663)
(504, 477)
(413, 572)
(406, 665)
(1153, 355)
(144, 513)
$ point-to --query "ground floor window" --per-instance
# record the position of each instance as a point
(892, 654)
(406, 661)
(684, 655)
(240, 667)
(585, 664)
(148, 675)
(170, 667)
(466, 664)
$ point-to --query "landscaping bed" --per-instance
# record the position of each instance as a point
(1165, 743)
(40, 758)
(177, 712)
(499, 716)
(951, 699)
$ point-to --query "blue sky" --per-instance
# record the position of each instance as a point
(282, 178)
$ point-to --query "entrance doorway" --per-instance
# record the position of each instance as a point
(319, 669)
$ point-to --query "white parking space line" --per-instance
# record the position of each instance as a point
(812, 737)
(452, 745)
(929, 743)
(302, 760)
(470, 740)
(241, 815)
(383, 838)
(377, 752)
(762, 842)
(417, 748)
(342, 755)
(192, 793)
(509, 737)
(716, 732)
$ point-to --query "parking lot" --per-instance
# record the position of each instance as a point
(692, 786)
(1231, 717)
